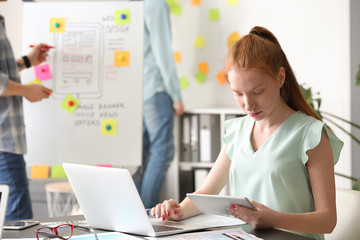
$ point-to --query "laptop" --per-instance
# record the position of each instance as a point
(109, 200)
(4, 194)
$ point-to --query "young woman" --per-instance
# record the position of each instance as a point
(281, 155)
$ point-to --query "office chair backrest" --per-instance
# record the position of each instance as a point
(348, 215)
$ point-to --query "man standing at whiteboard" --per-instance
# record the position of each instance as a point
(12, 129)
(162, 98)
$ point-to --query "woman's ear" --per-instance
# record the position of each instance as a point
(281, 77)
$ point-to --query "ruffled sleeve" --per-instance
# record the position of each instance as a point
(313, 137)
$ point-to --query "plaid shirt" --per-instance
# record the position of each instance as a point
(12, 128)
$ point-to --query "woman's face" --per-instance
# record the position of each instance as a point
(256, 93)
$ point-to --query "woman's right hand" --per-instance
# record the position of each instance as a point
(168, 210)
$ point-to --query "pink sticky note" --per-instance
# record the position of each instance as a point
(104, 165)
(43, 72)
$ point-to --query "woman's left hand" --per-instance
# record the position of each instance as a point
(263, 217)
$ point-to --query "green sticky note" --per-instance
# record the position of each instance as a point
(70, 103)
(184, 83)
(175, 8)
(199, 42)
(57, 171)
(200, 77)
(214, 14)
(122, 17)
(231, 2)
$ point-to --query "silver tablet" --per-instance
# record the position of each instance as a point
(215, 204)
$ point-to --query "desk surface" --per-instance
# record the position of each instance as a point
(267, 234)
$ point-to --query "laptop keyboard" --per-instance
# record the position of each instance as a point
(163, 228)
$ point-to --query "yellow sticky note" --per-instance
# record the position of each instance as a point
(57, 25)
(231, 2)
(36, 81)
(175, 8)
(184, 83)
(221, 78)
(200, 77)
(203, 67)
(195, 2)
(108, 127)
(199, 42)
(232, 39)
(40, 171)
(122, 17)
(122, 58)
(214, 15)
(177, 57)
(70, 103)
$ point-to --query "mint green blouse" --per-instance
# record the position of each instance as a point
(275, 175)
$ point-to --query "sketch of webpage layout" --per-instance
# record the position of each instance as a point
(78, 61)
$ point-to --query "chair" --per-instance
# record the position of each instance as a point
(348, 215)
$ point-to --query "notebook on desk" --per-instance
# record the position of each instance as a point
(4, 194)
(109, 200)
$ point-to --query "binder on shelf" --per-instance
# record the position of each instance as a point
(185, 139)
(194, 138)
(209, 137)
(199, 177)
(186, 183)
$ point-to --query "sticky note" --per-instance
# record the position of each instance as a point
(36, 81)
(122, 17)
(40, 171)
(175, 8)
(108, 127)
(57, 171)
(70, 103)
(121, 58)
(214, 15)
(42, 72)
(104, 165)
(177, 57)
(221, 78)
(232, 39)
(199, 42)
(231, 2)
(57, 25)
(203, 67)
(200, 77)
(184, 83)
(195, 2)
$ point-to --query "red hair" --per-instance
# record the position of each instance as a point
(261, 50)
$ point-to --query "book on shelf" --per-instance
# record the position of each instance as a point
(194, 138)
(185, 138)
(209, 137)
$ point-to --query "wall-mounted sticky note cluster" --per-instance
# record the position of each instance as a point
(122, 17)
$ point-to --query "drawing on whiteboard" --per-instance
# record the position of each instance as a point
(78, 61)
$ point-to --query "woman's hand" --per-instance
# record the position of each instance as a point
(262, 218)
(168, 210)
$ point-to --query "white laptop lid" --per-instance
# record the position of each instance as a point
(108, 198)
(4, 194)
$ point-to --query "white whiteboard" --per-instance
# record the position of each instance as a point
(82, 64)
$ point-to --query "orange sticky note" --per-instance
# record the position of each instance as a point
(203, 67)
(195, 2)
(122, 58)
(221, 78)
(40, 171)
(57, 25)
(177, 57)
